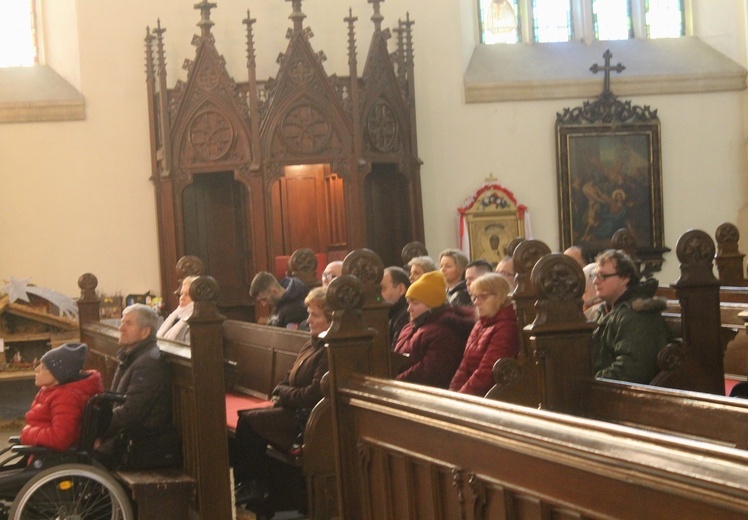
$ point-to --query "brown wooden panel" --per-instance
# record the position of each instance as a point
(553, 465)
(252, 374)
(302, 210)
(263, 354)
(705, 416)
(387, 212)
(336, 211)
(214, 216)
(527, 508)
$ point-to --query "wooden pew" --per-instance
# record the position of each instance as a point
(261, 356)
(560, 340)
(405, 451)
(693, 363)
(198, 409)
(366, 265)
(513, 383)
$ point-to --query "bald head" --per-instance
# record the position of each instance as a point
(332, 271)
(577, 254)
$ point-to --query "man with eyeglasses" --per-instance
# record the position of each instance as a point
(631, 330)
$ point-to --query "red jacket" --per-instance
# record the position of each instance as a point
(491, 339)
(434, 344)
(54, 419)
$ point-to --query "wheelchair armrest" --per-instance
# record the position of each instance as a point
(113, 396)
(23, 449)
(15, 439)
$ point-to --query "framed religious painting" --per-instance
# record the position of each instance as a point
(610, 177)
(490, 219)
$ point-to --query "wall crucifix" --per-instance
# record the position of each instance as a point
(607, 68)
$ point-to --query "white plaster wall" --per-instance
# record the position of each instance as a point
(76, 196)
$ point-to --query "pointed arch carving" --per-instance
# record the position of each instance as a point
(214, 139)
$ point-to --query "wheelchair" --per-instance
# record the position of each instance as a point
(39, 483)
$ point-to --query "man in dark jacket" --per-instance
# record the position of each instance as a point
(144, 377)
(631, 330)
(285, 298)
(395, 283)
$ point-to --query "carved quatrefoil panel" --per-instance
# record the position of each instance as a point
(381, 126)
(211, 135)
(301, 72)
(305, 129)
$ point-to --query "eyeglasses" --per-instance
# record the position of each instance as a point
(328, 277)
(480, 298)
(604, 276)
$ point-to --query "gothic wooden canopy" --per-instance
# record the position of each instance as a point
(247, 171)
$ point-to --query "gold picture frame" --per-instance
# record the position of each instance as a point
(490, 219)
(609, 167)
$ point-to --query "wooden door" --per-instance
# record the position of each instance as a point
(300, 210)
(387, 212)
(215, 230)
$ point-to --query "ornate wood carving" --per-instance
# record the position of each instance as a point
(412, 250)
(211, 124)
(729, 259)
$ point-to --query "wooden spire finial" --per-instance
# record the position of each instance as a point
(297, 15)
(377, 16)
(205, 23)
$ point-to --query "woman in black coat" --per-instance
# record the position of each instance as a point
(282, 424)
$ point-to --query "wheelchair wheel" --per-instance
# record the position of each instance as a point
(72, 492)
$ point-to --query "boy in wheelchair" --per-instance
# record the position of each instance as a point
(54, 420)
(47, 472)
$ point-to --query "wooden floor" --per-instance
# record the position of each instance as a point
(243, 514)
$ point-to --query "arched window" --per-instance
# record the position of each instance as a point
(543, 21)
(18, 40)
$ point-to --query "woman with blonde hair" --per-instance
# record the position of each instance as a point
(452, 264)
(495, 335)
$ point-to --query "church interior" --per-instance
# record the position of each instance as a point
(78, 194)
(156, 130)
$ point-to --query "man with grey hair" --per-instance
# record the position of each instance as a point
(144, 377)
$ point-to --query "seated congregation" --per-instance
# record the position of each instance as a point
(288, 428)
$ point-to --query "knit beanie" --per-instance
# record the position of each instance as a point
(430, 289)
(66, 361)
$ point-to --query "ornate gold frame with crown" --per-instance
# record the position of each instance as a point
(489, 219)
(610, 173)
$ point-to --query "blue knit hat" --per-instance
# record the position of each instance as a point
(66, 361)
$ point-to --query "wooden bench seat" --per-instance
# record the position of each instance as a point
(260, 357)
(159, 494)
(236, 402)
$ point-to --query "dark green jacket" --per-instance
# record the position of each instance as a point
(630, 335)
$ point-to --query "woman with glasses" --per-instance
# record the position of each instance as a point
(495, 335)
